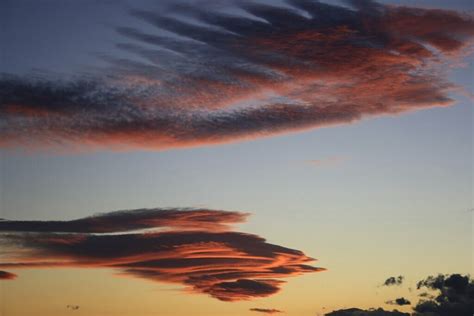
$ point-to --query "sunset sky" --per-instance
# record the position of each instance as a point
(258, 135)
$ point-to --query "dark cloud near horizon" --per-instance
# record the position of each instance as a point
(194, 248)
(399, 301)
(208, 77)
(394, 280)
(266, 310)
(448, 295)
(454, 295)
(362, 312)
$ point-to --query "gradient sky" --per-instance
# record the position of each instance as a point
(384, 196)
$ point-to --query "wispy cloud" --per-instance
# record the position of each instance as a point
(330, 161)
(233, 77)
(194, 248)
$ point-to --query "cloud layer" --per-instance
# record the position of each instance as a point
(208, 77)
(193, 247)
(122, 221)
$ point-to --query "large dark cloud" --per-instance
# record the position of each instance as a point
(194, 248)
(232, 76)
(454, 295)
(444, 295)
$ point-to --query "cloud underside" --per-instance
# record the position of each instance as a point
(192, 247)
(207, 77)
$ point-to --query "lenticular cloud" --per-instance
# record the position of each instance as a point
(192, 247)
(207, 77)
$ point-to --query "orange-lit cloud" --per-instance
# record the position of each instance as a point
(122, 221)
(188, 247)
(4, 275)
(236, 77)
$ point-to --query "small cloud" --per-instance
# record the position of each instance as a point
(399, 301)
(266, 310)
(426, 295)
(73, 307)
(4, 275)
(394, 281)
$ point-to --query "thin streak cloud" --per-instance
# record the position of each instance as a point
(266, 310)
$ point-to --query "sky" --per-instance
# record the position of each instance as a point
(257, 137)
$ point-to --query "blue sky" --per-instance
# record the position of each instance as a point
(396, 200)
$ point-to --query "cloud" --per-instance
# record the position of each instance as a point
(4, 275)
(73, 307)
(266, 310)
(235, 77)
(369, 312)
(399, 301)
(194, 248)
(454, 295)
(450, 294)
(122, 221)
(394, 281)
